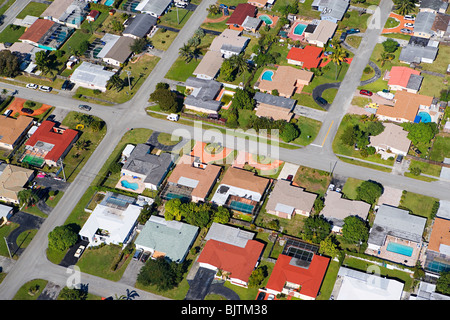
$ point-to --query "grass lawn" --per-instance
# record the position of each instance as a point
(328, 281)
(306, 100)
(440, 63)
(426, 168)
(12, 33)
(304, 9)
(216, 26)
(355, 20)
(32, 9)
(167, 139)
(313, 180)
(441, 147)
(361, 101)
(349, 189)
(24, 292)
(163, 38)
(432, 85)
(309, 128)
(418, 204)
(181, 70)
(4, 232)
(354, 41)
(175, 18)
(391, 23)
(5, 5)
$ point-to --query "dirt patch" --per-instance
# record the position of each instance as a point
(312, 180)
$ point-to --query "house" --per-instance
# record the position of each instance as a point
(391, 142)
(242, 11)
(240, 190)
(423, 24)
(251, 24)
(275, 107)
(435, 6)
(308, 57)
(323, 32)
(336, 209)
(258, 3)
(331, 10)
(92, 16)
(396, 235)
(46, 34)
(155, 8)
(358, 285)
(427, 291)
(209, 66)
(441, 25)
(169, 239)
(286, 80)
(229, 43)
(287, 200)
(145, 168)
(232, 251)
(113, 221)
(140, 26)
(5, 212)
(120, 52)
(405, 108)
(12, 181)
(107, 42)
(419, 50)
(13, 130)
(91, 76)
(298, 272)
(67, 12)
(49, 144)
(404, 78)
(203, 95)
(192, 179)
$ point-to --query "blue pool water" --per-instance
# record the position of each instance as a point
(399, 248)
(242, 207)
(129, 185)
(266, 20)
(424, 117)
(267, 75)
(299, 29)
(109, 2)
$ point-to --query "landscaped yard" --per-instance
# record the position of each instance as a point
(181, 70)
(313, 180)
(441, 147)
(32, 9)
(162, 39)
(12, 33)
(175, 18)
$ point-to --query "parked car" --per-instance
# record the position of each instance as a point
(84, 107)
(399, 158)
(232, 7)
(223, 6)
(271, 297)
(213, 116)
(322, 101)
(366, 92)
(409, 17)
(405, 30)
(66, 85)
(353, 31)
(409, 25)
(173, 117)
(261, 295)
(289, 177)
(181, 5)
(137, 254)
(27, 110)
(45, 88)
(32, 86)
(343, 36)
(79, 251)
(145, 256)
(327, 53)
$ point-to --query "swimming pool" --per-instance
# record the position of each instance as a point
(299, 29)
(109, 2)
(266, 20)
(424, 117)
(400, 249)
(129, 185)
(267, 75)
(242, 207)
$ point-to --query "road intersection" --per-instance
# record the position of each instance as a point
(33, 263)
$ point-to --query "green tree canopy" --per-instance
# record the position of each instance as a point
(420, 132)
(9, 64)
(355, 230)
(443, 283)
(139, 45)
(369, 191)
(390, 45)
(316, 229)
(62, 238)
(289, 132)
(166, 98)
(160, 273)
(257, 277)
(243, 99)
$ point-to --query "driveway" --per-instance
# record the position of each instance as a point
(200, 285)
(69, 259)
(400, 26)
(26, 222)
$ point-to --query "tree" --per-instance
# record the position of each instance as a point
(337, 57)
(62, 238)
(173, 209)
(27, 197)
(9, 64)
(139, 45)
(443, 283)
(369, 191)
(73, 294)
(355, 230)
(42, 61)
(227, 70)
(384, 57)
(421, 133)
(348, 137)
(115, 82)
(404, 7)
(186, 52)
(289, 132)
(390, 45)
(257, 277)
(316, 229)
(196, 214)
(374, 128)
(239, 62)
(160, 273)
(213, 9)
(221, 215)
(329, 247)
(166, 99)
(243, 99)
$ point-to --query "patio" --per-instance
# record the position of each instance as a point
(383, 253)
(134, 184)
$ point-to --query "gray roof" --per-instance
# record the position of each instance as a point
(334, 8)
(140, 25)
(251, 22)
(412, 53)
(444, 210)
(173, 238)
(153, 166)
(278, 101)
(155, 7)
(433, 4)
(93, 74)
(229, 235)
(204, 93)
(414, 82)
(424, 21)
(398, 223)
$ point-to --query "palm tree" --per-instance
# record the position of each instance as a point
(115, 82)
(384, 57)
(405, 6)
(186, 52)
(337, 57)
(239, 62)
(27, 197)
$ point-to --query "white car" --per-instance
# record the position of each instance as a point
(45, 88)
(79, 251)
(409, 17)
(173, 117)
(409, 25)
(32, 86)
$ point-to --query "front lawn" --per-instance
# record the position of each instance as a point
(441, 147)
(312, 180)
(175, 18)
(32, 9)
(163, 38)
(181, 70)
(12, 33)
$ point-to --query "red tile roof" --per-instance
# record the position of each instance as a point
(311, 56)
(61, 141)
(37, 30)
(242, 11)
(399, 76)
(240, 262)
(309, 279)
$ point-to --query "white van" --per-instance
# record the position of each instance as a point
(173, 117)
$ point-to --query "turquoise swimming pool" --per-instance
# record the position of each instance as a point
(424, 117)
(242, 207)
(129, 185)
(266, 19)
(400, 249)
(267, 75)
(109, 2)
(299, 29)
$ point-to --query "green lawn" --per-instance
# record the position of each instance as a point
(441, 147)
(181, 70)
(355, 20)
(349, 189)
(309, 128)
(432, 85)
(426, 168)
(440, 64)
(175, 18)
(419, 204)
(163, 38)
(313, 180)
(391, 23)
(12, 33)
(24, 292)
(32, 9)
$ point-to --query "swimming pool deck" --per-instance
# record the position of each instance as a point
(141, 185)
(294, 36)
(271, 17)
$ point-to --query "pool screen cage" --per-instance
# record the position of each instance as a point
(301, 252)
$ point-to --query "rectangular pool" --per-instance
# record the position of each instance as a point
(400, 249)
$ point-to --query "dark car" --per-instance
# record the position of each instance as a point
(27, 110)
(405, 30)
(261, 296)
(366, 93)
(232, 7)
(352, 31)
(213, 116)
(322, 101)
(399, 158)
(137, 254)
(84, 107)
(145, 256)
(343, 36)
(66, 85)
(289, 177)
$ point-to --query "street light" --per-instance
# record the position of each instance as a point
(128, 73)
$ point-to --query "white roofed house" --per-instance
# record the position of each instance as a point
(391, 142)
(120, 52)
(68, 12)
(155, 8)
(91, 76)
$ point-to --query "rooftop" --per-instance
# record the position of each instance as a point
(440, 236)
(401, 76)
(392, 137)
(406, 106)
(37, 30)
(240, 13)
(92, 74)
(210, 64)
(203, 94)
(424, 21)
(12, 180)
(140, 25)
(311, 56)
(120, 51)
(286, 198)
(339, 208)
(11, 128)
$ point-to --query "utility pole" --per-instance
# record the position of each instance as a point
(62, 169)
(7, 247)
(128, 73)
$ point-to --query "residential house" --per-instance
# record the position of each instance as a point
(391, 142)
(49, 144)
(336, 209)
(308, 57)
(441, 25)
(242, 11)
(286, 200)
(169, 239)
(192, 179)
(404, 78)
(240, 190)
(91, 76)
(396, 235)
(423, 24)
(298, 272)
(323, 32)
(251, 24)
(435, 6)
(352, 284)
(112, 221)
(46, 34)
(107, 42)
(419, 50)
(427, 291)
(145, 168)
(230, 42)
(209, 65)
(258, 3)
(406, 107)
(67, 12)
(331, 10)
(12, 181)
(275, 107)
(92, 16)
(286, 80)
(5, 213)
(140, 26)
(155, 8)
(120, 52)
(13, 130)
(232, 251)
(203, 95)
